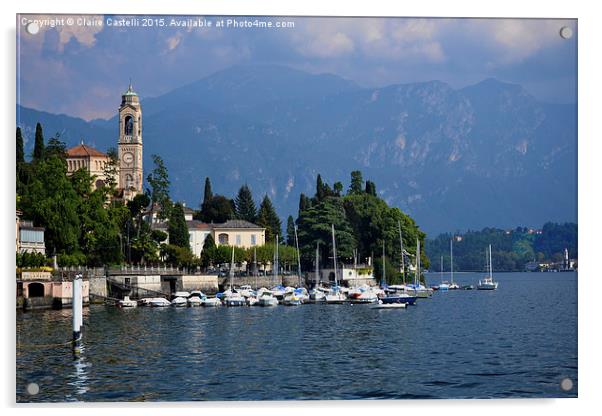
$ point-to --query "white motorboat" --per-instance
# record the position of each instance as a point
(179, 301)
(145, 301)
(362, 294)
(211, 302)
(487, 283)
(317, 295)
(195, 301)
(381, 305)
(198, 293)
(252, 301)
(159, 302)
(291, 299)
(235, 299)
(335, 295)
(126, 302)
(267, 299)
(182, 294)
(246, 291)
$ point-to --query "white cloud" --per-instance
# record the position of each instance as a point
(388, 39)
(514, 40)
(84, 34)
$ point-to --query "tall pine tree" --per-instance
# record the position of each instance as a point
(267, 218)
(20, 151)
(357, 183)
(159, 182)
(245, 206)
(177, 229)
(38, 149)
(290, 231)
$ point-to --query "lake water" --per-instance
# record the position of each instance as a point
(517, 341)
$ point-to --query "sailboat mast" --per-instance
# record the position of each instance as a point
(417, 277)
(334, 255)
(384, 274)
(275, 271)
(298, 256)
(451, 258)
(232, 268)
(441, 269)
(255, 272)
(403, 269)
(317, 264)
(490, 265)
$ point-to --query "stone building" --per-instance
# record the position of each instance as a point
(93, 161)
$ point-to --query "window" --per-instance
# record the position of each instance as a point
(223, 239)
(128, 127)
(237, 239)
(253, 240)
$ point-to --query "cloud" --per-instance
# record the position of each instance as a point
(383, 39)
(83, 29)
(514, 40)
(173, 41)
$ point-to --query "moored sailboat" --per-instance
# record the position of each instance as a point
(487, 283)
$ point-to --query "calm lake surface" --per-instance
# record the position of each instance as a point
(517, 341)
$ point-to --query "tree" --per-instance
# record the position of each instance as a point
(111, 170)
(219, 209)
(315, 227)
(177, 228)
(159, 182)
(38, 149)
(56, 148)
(290, 231)
(208, 194)
(320, 188)
(338, 188)
(51, 202)
(267, 217)
(245, 206)
(357, 183)
(208, 252)
(20, 151)
(304, 203)
(370, 188)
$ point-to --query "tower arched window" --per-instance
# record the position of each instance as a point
(128, 127)
(129, 181)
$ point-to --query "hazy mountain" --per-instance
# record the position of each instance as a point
(486, 155)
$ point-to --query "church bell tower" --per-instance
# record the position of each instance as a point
(130, 145)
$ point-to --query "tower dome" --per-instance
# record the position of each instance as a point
(130, 96)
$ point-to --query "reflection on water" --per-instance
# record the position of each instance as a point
(518, 341)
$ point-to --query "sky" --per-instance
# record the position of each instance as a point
(82, 68)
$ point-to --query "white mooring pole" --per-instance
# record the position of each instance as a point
(77, 304)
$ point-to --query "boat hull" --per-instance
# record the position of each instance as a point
(409, 300)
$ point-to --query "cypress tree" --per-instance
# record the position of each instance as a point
(370, 188)
(267, 218)
(38, 149)
(320, 194)
(355, 188)
(20, 151)
(177, 228)
(244, 205)
(208, 194)
(290, 231)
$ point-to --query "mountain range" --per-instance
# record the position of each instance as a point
(489, 154)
